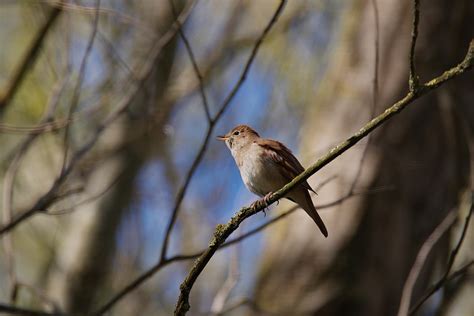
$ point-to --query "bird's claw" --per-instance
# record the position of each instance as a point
(267, 197)
(255, 204)
(262, 203)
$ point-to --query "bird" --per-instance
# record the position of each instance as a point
(266, 165)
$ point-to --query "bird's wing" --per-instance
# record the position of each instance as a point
(281, 155)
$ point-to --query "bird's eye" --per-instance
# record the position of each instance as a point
(236, 133)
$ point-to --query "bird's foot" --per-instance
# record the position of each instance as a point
(267, 197)
(263, 203)
(256, 204)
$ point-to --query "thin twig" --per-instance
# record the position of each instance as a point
(124, 18)
(90, 199)
(413, 82)
(438, 285)
(222, 232)
(454, 253)
(77, 89)
(133, 285)
(193, 62)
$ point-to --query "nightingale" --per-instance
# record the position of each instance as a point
(267, 165)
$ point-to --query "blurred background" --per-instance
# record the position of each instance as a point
(103, 130)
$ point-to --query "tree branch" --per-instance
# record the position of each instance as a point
(161, 264)
(438, 285)
(222, 232)
(194, 63)
(80, 79)
(413, 81)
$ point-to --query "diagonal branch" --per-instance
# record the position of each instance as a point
(438, 285)
(222, 232)
(182, 257)
(193, 62)
(77, 89)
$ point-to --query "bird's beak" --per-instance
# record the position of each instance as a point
(222, 138)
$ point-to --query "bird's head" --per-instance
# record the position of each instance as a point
(239, 137)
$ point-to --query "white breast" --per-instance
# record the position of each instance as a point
(260, 174)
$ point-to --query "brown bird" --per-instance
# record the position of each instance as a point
(266, 165)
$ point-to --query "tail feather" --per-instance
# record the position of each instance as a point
(311, 210)
(303, 198)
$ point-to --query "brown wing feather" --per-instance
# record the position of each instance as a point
(283, 156)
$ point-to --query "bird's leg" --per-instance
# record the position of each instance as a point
(265, 200)
(262, 202)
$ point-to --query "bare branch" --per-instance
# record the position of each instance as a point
(438, 285)
(133, 285)
(193, 62)
(413, 82)
(455, 251)
(375, 79)
(89, 199)
(80, 79)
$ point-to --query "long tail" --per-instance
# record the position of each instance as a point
(311, 210)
